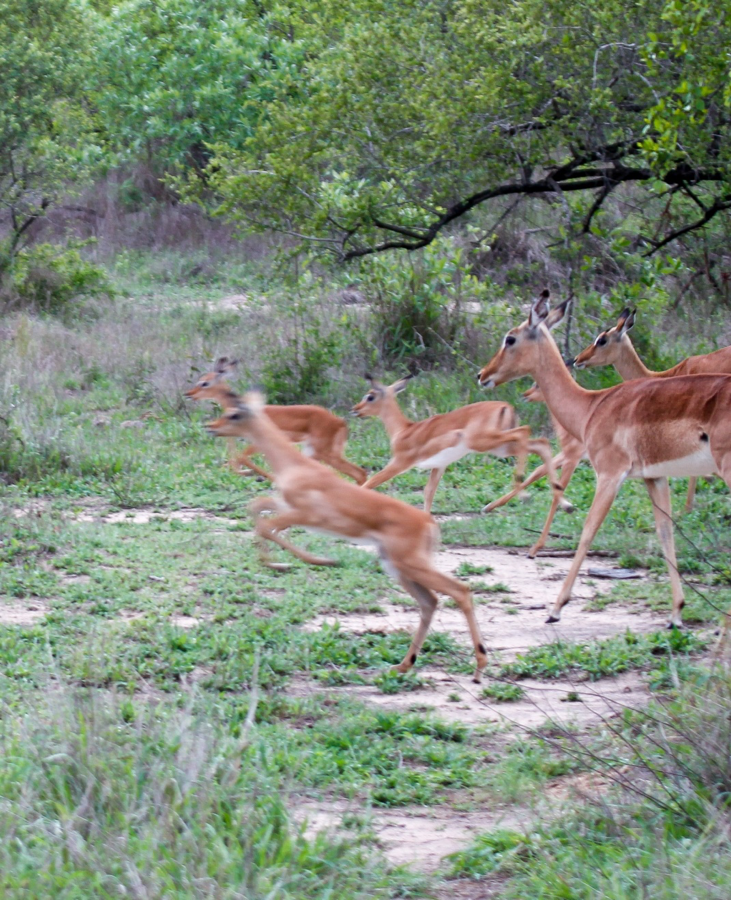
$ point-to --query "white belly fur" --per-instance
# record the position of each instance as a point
(700, 463)
(444, 458)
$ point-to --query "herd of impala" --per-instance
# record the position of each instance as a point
(657, 424)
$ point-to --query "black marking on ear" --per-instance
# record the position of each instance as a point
(413, 659)
(704, 437)
(482, 648)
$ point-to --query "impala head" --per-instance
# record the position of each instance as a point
(377, 395)
(534, 394)
(235, 420)
(212, 384)
(519, 354)
(607, 346)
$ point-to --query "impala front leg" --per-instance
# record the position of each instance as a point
(268, 529)
(606, 492)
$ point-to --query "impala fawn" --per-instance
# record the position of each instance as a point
(322, 434)
(309, 494)
(432, 444)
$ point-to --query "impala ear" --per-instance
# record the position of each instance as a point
(557, 314)
(625, 321)
(399, 386)
(539, 309)
(224, 365)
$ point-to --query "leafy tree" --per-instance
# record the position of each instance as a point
(175, 75)
(45, 47)
(406, 115)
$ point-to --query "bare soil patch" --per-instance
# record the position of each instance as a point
(419, 837)
(14, 613)
(511, 622)
(145, 515)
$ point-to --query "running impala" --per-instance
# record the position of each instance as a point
(432, 444)
(310, 494)
(645, 429)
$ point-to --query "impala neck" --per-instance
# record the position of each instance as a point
(629, 365)
(392, 417)
(280, 453)
(568, 402)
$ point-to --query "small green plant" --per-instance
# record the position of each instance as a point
(468, 569)
(503, 692)
(489, 853)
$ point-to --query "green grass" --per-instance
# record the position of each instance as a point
(604, 657)
(127, 768)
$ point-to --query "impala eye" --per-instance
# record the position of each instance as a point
(204, 384)
(510, 339)
(370, 397)
(601, 341)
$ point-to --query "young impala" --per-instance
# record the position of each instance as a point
(309, 494)
(567, 460)
(614, 347)
(645, 429)
(432, 444)
(322, 434)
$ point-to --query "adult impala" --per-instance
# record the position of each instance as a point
(309, 494)
(646, 429)
(322, 434)
(432, 444)
(614, 347)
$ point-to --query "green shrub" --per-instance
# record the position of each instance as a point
(49, 277)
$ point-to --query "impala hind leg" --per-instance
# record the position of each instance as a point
(335, 458)
(659, 492)
(268, 529)
(556, 502)
(690, 497)
(431, 487)
(606, 491)
(434, 581)
(427, 602)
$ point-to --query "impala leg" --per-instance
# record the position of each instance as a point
(344, 466)
(690, 497)
(335, 457)
(606, 491)
(427, 602)
(268, 529)
(431, 487)
(243, 460)
(659, 492)
(537, 474)
(388, 472)
(434, 581)
(566, 474)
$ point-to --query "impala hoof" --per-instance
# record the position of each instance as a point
(552, 619)
(675, 626)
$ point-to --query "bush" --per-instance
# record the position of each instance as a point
(49, 278)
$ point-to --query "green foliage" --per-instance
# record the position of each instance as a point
(490, 852)
(173, 76)
(604, 657)
(50, 278)
(493, 101)
(45, 127)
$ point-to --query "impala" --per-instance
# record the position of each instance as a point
(309, 494)
(434, 443)
(322, 434)
(567, 460)
(614, 347)
(646, 429)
